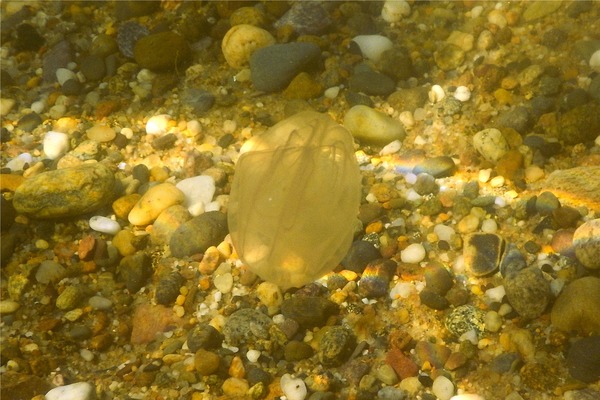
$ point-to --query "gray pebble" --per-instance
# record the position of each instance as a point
(100, 303)
(199, 99)
(305, 18)
(246, 326)
(93, 67)
(505, 362)
(273, 67)
(198, 234)
(583, 359)
(425, 184)
(372, 83)
(203, 336)
(58, 57)
(438, 167)
(517, 118)
(29, 122)
(528, 292)
(546, 203)
(336, 345)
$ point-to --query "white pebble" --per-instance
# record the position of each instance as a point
(74, 391)
(64, 74)
(395, 10)
(497, 181)
(55, 144)
(38, 106)
(127, 132)
(17, 163)
(332, 92)
(462, 93)
(413, 253)
(373, 46)
(391, 148)
(145, 75)
(492, 321)
(194, 127)
(100, 303)
(6, 105)
(229, 126)
(253, 355)
(198, 191)
(293, 388)
(223, 283)
(444, 232)
(158, 124)
(57, 111)
(436, 94)
(484, 175)
(402, 290)
(86, 354)
(443, 388)
(489, 226)
(597, 141)
(595, 61)
(104, 225)
(476, 11)
(49, 271)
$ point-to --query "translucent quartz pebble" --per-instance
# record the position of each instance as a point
(294, 199)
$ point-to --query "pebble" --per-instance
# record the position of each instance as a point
(375, 279)
(462, 93)
(359, 255)
(246, 326)
(576, 308)
(395, 10)
(57, 57)
(8, 306)
(162, 51)
(580, 124)
(305, 18)
(198, 234)
(63, 75)
(293, 388)
(70, 297)
(135, 270)
(100, 303)
(55, 144)
(404, 366)
(241, 41)
(335, 346)
(482, 253)
(49, 271)
(157, 199)
(490, 144)
(167, 288)
(437, 279)
(198, 192)
(546, 203)
(464, 319)
(449, 57)
(517, 118)
(586, 240)
(158, 124)
(65, 192)
(270, 295)
(373, 46)
(372, 126)
(123, 205)
(32, 120)
(413, 253)
(579, 183)
(438, 167)
(307, 311)
(223, 283)
(443, 388)
(127, 36)
(204, 336)
(104, 225)
(528, 292)
(539, 9)
(167, 223)
(101, 133)
(206, 362)
(74, 391)
(583, 359)
(273, 67)
(371, 83)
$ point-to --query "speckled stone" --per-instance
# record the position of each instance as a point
(580, 125)
(65, 192)
(70, 297)
(246, 326)
(528, 292)
(465, 318)
(134, 270)
(336, 345)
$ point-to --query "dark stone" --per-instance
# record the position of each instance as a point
(356, 99)
(273, 67)
(168, 287)
(506, 362)
(528, 292)
(375, 279)
(198, 234)
(438, 167)
(575, 98)
(141, 173)
(396, 63)
(541, 105)
(482, 252)
(360, 254)
(295, 351)
(72, 87)
(58, 57)
(583, 359)
(372, 83)
(308, 311)
(199, 99)
(29, 122)
(93, 67)
(8, 242)
(425, 184)
(7, 213)
(549, 85)
(554, 38)
(594, 88)
(135, 8)
(437, 279)
(256, 375)
(164, 142)
(433, 300)
(135, 270)
(28, 38)
(578, 7)
(204, 336)
(305, 18)
(580, 125)
(163, 51)
(517, 118)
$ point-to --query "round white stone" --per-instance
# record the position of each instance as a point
(462, 93)
(395, 10)
(74, 391)
(55, 144)
(443, 388)
(158, 124)
(443, 232)
(38, 106)
(253, 355)
(332, 92)
(489, 226)
(198, 191)
(372, 46)
(293, 388)
(104, 225)
(436, 94)
(17, 163)
(413, 253)
(391, 148)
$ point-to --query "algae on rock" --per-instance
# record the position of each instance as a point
(294, 199)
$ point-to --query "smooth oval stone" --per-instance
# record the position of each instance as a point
(308, 311)
(576, 308)
(438, 167)
(198, 234)
(65, 192)
(294, 199)
(490, 144)
(153, 202)
(104, 225)
(372, 126)
(482, 253)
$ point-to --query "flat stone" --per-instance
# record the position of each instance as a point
(438, 167)
(578, 186)
(65, 192)
(372, 126)
(198, 234)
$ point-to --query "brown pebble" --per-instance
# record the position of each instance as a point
(236, 369)
(123, 205)
(562, 242)
(149, 320)
(101, 342)
(404, 366)
(86, 247)
(509, 164)
(456, 360)
(206, 362)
